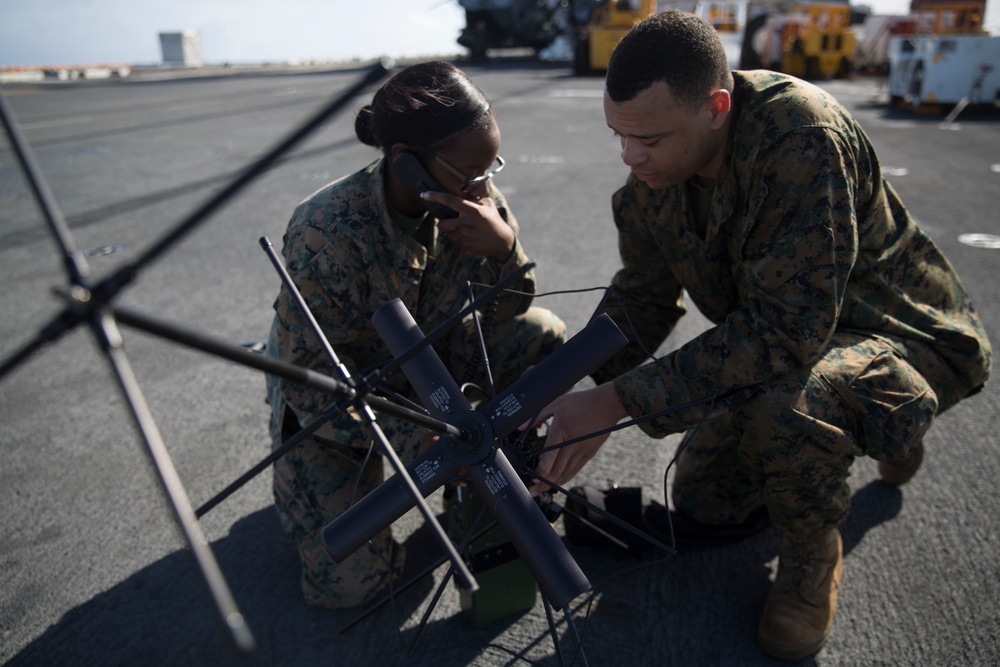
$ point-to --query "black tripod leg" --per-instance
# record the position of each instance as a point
(571, 625)
(553, 632)
(447, 576)
(108, 334)
(430, 607)
(416, 579)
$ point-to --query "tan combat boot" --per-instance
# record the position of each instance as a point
(799, 609)
(901, 472)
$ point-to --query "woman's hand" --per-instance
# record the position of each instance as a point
(479, 228)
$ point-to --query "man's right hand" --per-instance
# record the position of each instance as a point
(574, 415)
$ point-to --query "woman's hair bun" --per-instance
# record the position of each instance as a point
(363, 126)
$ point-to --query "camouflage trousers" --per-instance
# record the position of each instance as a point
(788, 444)
(319, 480)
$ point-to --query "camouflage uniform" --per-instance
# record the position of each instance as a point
(348, 258)
(840, 328)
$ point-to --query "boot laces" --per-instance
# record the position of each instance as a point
(803, 572)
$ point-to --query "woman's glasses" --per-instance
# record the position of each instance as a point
(468, 184)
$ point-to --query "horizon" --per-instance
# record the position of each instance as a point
(242, 32)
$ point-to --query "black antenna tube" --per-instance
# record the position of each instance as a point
(559, 577)
(392, 499)
(425, 371)
(578, 357)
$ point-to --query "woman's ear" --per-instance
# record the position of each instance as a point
(398, 148)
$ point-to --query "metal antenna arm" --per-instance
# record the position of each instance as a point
(179, 334)
(417, 496)
(286, 280)
(74, 261)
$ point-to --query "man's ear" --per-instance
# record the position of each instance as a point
(719, 106)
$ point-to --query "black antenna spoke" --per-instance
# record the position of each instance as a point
(444, 580)
(110, 339)
(74, 262)
(443, 328)
(93, 305)
(114, 283)
(427, 571)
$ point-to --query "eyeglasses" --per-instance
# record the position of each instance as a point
(468, 184)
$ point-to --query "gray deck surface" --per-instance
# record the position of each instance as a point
(94, 569)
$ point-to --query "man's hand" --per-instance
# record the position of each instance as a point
(574, 415)
(425, 443)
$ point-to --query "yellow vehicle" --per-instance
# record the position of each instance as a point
(948, 17)
(608, 24)
(812, 40)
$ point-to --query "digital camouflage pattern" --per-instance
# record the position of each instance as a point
(788, 443)
(840, 321)
(348, 259)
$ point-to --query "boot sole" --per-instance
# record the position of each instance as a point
(792, 652)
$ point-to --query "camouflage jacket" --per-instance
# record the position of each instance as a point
(348, 258)
(804, 237)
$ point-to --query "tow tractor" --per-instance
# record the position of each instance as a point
(949, 60)
(608, 24)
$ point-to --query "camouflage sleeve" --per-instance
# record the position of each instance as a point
(646, 300)
(329, 280)
(799, 245)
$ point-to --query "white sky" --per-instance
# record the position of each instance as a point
(46, 32)
(236, 31)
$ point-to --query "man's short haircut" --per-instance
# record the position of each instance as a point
(673, 46)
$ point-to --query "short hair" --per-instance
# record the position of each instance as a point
(676, 47)
(429, 104)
